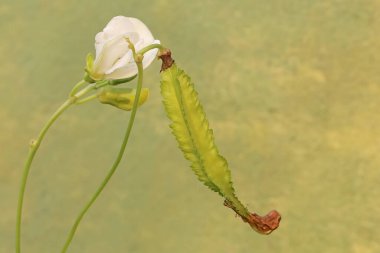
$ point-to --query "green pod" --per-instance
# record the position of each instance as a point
(195, 138)
(122, 98)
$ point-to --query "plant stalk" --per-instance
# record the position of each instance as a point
(34, 145)
(114, 166)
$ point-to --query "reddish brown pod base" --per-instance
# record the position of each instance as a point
(261, 224)
(166, 56)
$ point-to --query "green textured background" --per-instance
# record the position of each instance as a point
(291, 89)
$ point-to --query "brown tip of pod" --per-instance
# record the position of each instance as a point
(264, 224)
(261, 224)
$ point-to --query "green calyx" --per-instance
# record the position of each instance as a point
(122, 98)
(89, 75)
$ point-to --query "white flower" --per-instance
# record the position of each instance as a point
(114, 59)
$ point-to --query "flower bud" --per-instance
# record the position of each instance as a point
(122, 98)
(114, 59)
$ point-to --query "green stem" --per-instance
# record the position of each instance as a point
(101, 84)
(150, 47)
(33, 149)
(115, 164)
(86, 99)
(34, 145)
(84, 91)
(77, 87)
(120, 81)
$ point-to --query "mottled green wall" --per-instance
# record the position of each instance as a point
(291, 88)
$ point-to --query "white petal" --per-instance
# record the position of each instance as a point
(99, 45)
(114, 59)
(128, 57)
(142, 30)
(130, 69)
(118, 25)
(110, 53)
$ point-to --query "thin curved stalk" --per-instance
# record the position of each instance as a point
(34, 145)
(77, 87)
(86, 99)
(150, 47)
(114, 166)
